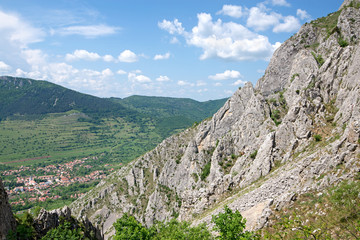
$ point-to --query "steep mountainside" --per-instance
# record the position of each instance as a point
(7, 220)
(297, 130)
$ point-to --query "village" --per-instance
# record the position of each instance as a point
(39, 187)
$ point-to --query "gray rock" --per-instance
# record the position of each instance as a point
(310, 99)
(7, 220)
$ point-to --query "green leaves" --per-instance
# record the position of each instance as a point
(231, 226)
(128, 228)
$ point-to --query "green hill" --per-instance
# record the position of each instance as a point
(42, 122)
(22, 96)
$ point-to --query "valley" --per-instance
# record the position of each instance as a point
(33, 142)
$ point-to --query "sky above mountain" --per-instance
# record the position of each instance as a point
(201, 49)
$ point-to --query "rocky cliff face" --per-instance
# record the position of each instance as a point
(7, 220)
(47, 220)
(265, 146)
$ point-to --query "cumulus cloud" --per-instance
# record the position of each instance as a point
(121, 72)
(228, 74)
(138, 78)
(289, 24)
(302, 14)
(174, 27)
(163, 79)
(4, 66)
(229, 41)
(89, 31)
(281, 3)
(238, 82)
(128, 56)
(108, 58)
(261, 20)
(82, 55)
(182, 83)
(107, 72)
(232, 11)
(162, 57)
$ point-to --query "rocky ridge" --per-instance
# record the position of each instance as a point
(297, 130)
(7, 220)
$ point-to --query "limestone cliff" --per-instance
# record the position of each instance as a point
(7, 220)
(265, 146)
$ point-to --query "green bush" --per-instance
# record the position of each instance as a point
(319, 59)
(231, 225)
(317, 138)
(127, 227)
(253, 155)
(342, 42)
(205, 171)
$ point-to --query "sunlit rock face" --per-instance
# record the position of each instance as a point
(265, 146)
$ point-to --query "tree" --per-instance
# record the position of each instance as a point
(231, 225)
(175, 230)
(128, 228)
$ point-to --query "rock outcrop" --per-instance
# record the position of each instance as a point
(7, 220)
(47, 220)
(265, 146)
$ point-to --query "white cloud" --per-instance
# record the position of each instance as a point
(290, 24)
(89, 31)
(228, 74)
(108, 58)
(163, 79)
(88, 56)
(238, 82)
(281, 3)
(4, 66)
(82, 55)
(121, 72)
(302, 14)
(174, 40)
(260, 20)
(107, 72)
(162, 57)
(182, 83)
(229, 41)
(138, 78)
(172, 27)
(218, 84)
(128, 56)
(34, 57)
(16, 31)
(232, 11)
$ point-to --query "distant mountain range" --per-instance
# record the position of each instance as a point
(137, 118)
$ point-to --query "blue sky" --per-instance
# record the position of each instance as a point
(199, 49)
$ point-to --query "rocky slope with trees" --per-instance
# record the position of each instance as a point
(296, 131)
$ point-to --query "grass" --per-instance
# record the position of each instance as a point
(65, 136)
(205, 171)
(332, 214)
(327, 23)
(319, 59)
